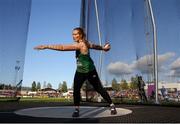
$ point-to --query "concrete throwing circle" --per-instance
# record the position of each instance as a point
(66, 112)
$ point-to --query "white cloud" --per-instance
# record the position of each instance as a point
(143, 64)
(175, 68)
(165, 57)
(174, 73)
(119, 68)
(176, 64)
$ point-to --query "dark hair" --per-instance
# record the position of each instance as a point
(81, 31)
(139, 77)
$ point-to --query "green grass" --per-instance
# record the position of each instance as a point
(10, 104)
(7, 99)
(65, 100)
(45, 100)
(36, 99)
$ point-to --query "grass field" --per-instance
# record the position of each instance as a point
(46, 100)
(11, 104)
(36, 99)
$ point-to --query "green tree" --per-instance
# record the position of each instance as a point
(115, 85)
(134, 83)
(38, 87)
(33, 88)
(60, 87)
(84, 86)
(87, 86)
(1, 86)
(64, 87)
(49, 85)
(106, 83)
(44, 85)
(124, 85)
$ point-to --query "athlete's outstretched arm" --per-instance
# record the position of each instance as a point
(70, 47)
(106, 47)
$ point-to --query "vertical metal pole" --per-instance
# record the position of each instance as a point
(99, 36)
(82, 14)
(17, 67)
(155, 51)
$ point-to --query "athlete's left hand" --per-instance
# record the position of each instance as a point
(107, 47)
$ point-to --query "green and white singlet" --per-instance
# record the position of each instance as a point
(84, 63)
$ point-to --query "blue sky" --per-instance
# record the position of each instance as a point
(51, 22)
(14, 18)
(132, 30)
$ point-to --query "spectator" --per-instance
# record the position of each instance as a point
(163, 92)
(141, 91)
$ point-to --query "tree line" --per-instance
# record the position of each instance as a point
(62, 87)
(123, 85)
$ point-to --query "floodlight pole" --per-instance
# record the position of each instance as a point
(99, 36)
(154, 51)
(17, 67)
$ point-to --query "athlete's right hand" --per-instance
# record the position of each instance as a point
(40, 47)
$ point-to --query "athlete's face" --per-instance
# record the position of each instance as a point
(76, 35)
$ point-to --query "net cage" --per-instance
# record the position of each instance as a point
(14, 20)
(144, 38)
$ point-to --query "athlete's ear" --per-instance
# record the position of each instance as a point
(81, 35)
